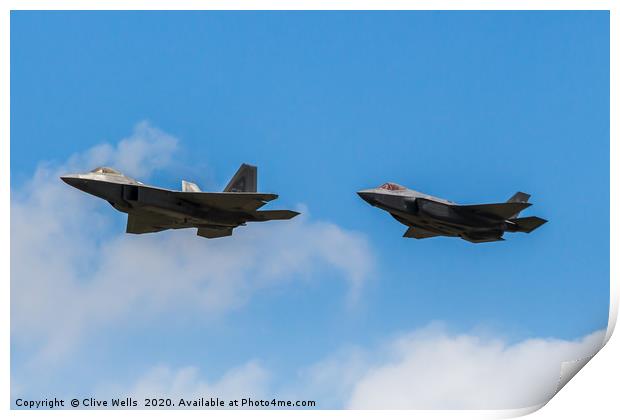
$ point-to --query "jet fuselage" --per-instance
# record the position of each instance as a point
(129, 196)
(153, 209)
(433, 216)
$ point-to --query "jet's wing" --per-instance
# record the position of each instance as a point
(228, 200)
(497, 210)
(418, 233)
(146, 223)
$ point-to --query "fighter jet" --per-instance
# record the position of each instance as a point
(152, 209)
(429, 216)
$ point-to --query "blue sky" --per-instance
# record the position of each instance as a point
(470, 106)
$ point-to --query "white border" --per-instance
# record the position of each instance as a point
(592, 395)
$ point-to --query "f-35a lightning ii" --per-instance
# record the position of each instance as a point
(429, 216)
(152, 209)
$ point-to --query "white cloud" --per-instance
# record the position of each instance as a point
(330, 381)
(424, 369)
(431, 369)
(146, 150)
(249, 379)
(74, 269)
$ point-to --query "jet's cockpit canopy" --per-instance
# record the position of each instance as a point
(105, 170)
(390, 186)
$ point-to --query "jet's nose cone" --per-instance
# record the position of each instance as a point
(368, 196)
(71, 179)
(363, 194)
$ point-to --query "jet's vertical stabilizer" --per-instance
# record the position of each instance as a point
(189, 186)
(519, 197)
(244, 180)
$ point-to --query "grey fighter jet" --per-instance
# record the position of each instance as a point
(429, 216)
(152, 209)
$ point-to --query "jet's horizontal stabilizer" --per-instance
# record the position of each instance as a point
(497, 210)
(211, 233)
(275, 215)
(189, 186)
(528, 224)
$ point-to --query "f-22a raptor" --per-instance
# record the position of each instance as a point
(429, 216)
(152, 209)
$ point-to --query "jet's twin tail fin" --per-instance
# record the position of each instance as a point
(244, 180)
(187, 186)
(519, 197)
